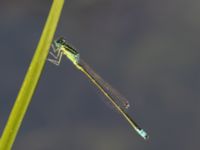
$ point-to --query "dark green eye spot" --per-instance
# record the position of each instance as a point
(61, 40)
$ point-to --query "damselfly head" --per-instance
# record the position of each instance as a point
(61, 41)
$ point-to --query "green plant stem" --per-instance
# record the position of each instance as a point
(32, 77)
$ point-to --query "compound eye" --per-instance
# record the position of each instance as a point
(61, 40)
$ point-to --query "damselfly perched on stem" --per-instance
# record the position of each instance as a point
(60, 48)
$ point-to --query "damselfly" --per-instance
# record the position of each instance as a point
(60, 48)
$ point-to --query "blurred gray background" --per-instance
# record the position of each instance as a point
(148, 50)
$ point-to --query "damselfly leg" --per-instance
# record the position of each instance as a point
(56, 54)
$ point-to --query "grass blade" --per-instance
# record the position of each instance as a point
(32, 77)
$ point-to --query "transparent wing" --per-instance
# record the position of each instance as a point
(113, 93)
